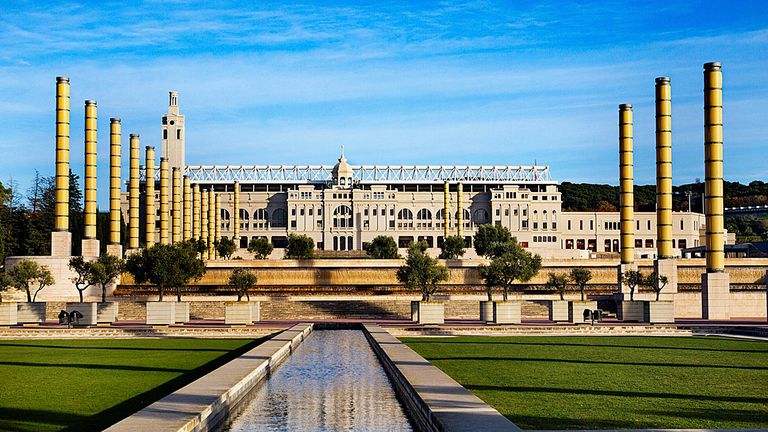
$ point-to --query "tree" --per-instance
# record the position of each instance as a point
(166, 266)
(26, 274)
(421, 271)
(452, 247)
(243, 280)
(558, 282)
(104, 271)
(656, 282)
(225, 247)
(6, 283)
(382, 247)
(489, 235)
(83, 274)
(510, 263)
(300, 246)
(198, 245)
(632, 278)
(581, 276)
(260, 247)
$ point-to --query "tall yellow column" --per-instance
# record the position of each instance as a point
(663, 168)
(236, 215)
(204, 220)
(217, 223)
(115, 157)
(715, 286)
(626, 185)
(149, 200)
(61, 238)
(446, 210)
(197, 212)
(165, 235)
(460, 210)
(133, 193)
(176, 208)
(187, 224)
(211, 224)
(90, 170)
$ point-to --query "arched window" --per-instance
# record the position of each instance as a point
(440, 214)
(480, 217)
(224, 219)
(342, 217)
(261, 218)
(244, 219)
(405, 218)
(465, 215)
(424, 214)
(279, 218)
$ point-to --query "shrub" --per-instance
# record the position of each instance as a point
(382, 247)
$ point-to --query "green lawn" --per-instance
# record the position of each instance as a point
(85, 385)
(611, 382)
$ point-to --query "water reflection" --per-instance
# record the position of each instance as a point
(332, 383)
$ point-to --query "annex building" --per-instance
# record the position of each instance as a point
(343, 206)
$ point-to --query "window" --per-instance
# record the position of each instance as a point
(681, 225)
(365, 212)
(535, 225)
(342, 217)
(480, 216)
(374, 211)
(649, 225)
(543, 225)
(682, 243)
(525, 224)
(310, 212)
(649, 243)
(301, 212)
(293, 212)
(581, 227)
(279, 218)
(424, 214)
(178, 133)
(638, 243)
(165, 133)
(591, 225)
(506, 212)
(535, 197)
(569, 225)
(244, 219)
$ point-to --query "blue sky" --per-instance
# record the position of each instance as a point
(476, 82)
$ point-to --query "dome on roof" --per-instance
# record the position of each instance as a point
(342, 169)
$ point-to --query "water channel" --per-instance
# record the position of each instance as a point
(333, 382)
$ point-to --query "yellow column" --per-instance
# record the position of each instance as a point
(663, 168)
(115, 142)
(133, 193)
(211, 223)
(204, 220)
(149, 200)
(713, 166)
(197, 212)
(217, 223)
(62, 154)
(626, 185)
(176, 209)
(187, 231)
(89, 211)
(236, 215)
(165, 237)
(460, 210)
(446, 210)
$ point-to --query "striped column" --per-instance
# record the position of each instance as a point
(626, 185)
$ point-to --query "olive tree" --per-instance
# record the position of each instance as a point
(452, 247)
(105, 271)
(242, 280)
(225, 247)
(260, 247)
(510, 263)
(421, 272)
(488, 236)
(558, 282)
(632, 278)
(300, 246)
(83, 278)
(28, 275)
(581, 276)
(382, 247)
(656, 282)
(166, 266)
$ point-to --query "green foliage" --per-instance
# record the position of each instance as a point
(655, 282)
(452, 247)
(6, 283)
(260, 247)
(166, 266)
(300, 246)
(488, 236)
(242, 280)
(27, 275)
(510, 263)
(225, 247)
(421, 272)
(747, 228)
(558, 282)
(83, 274)
(105, 271)
(633, 279)
(581, 277)
(382, 247)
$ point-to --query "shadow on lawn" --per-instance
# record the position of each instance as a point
(116, 348)
(748, 417)
(12, 418)
(95, 366)
(560, 423)
(598, 392)
(571, 344)
(599, 362)
(116, 413)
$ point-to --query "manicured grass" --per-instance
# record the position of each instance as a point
(86, 385)
(611, 382)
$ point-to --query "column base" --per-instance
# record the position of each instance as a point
(115, 250)
(668, 268)
(61, 243)
(715, 296)
(91, 248)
